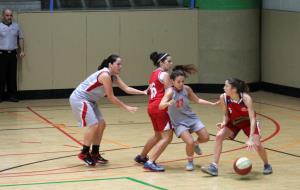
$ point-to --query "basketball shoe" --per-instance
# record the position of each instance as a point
(99, 159)
(139, 159)
(87, 158)
(212, 169)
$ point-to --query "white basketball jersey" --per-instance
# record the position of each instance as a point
(91, 89)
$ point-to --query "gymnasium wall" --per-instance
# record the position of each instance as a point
(62, 48)
(281, 43)
(228, 45)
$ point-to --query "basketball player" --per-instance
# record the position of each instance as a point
(84, 99)
(239, 115)
(158, 82)
(183, 119)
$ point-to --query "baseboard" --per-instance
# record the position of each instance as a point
(280, 89)
(218, 88)
(65, 93)
(44, 94)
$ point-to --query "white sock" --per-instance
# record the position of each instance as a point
(150, 162)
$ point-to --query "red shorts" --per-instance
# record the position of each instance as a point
(160, 119)
(244, 126)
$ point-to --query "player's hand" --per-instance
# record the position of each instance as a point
(145, 92)
(131, 109)
(171, 102)
(22, 54)
(220, 125)
(216, 103)
(250, 144)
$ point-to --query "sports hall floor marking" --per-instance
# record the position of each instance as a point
(33, 173)
(52, 124)
(85, 180)
(277, 129)
(278, 106)
(117, 143)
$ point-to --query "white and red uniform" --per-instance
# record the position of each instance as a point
(238, 117)
(160, 118)
(84, 99)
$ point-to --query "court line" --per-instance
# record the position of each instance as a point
(117, 143)
(36, 142)
(278, 106)
(4, 109)
(52, 124)
(71, 126)
(39, 161)
(145, 183)
(271, 149)
(33, 153)
(71, 146)
(277, 129)
(84, 180)
(31, 128)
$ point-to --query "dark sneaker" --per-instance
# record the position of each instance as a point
(99, 159)
(212, 169)
(267, 169)
(87, 158)
(139, 159)
(153, 167)
(197, 149)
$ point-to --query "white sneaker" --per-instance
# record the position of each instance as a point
(189, 166)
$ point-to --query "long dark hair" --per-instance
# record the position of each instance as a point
(240, 85)
(182, 70)
(110, 59)
(158, 57)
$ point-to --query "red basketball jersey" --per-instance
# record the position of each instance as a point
(157, 89)
(237, 112)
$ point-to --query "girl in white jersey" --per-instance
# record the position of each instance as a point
(183, 119)
(84, 99)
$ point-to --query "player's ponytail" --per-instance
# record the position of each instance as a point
(182, 70)
(240, 85)
(158, 57)
(111, 59)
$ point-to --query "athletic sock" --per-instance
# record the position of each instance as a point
(85, 149)
(95, 149)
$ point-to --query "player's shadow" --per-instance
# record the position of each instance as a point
(254, 175)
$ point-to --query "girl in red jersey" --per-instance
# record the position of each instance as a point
(239, 115)
(158, 82)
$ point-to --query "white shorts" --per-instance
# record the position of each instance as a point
(193, 128)
(86, 113)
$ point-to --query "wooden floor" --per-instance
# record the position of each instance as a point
(39, 141)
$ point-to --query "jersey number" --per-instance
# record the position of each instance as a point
(153, 91)
(179, 103)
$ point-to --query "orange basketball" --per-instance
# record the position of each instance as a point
(242, 166)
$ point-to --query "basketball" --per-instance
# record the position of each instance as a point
(242, 166)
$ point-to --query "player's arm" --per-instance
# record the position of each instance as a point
(105, 79)
(225, 111)
(165, 78)
(129, 90)
(193, 97)
(166, 100)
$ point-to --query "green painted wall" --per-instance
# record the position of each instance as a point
(225, 4)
